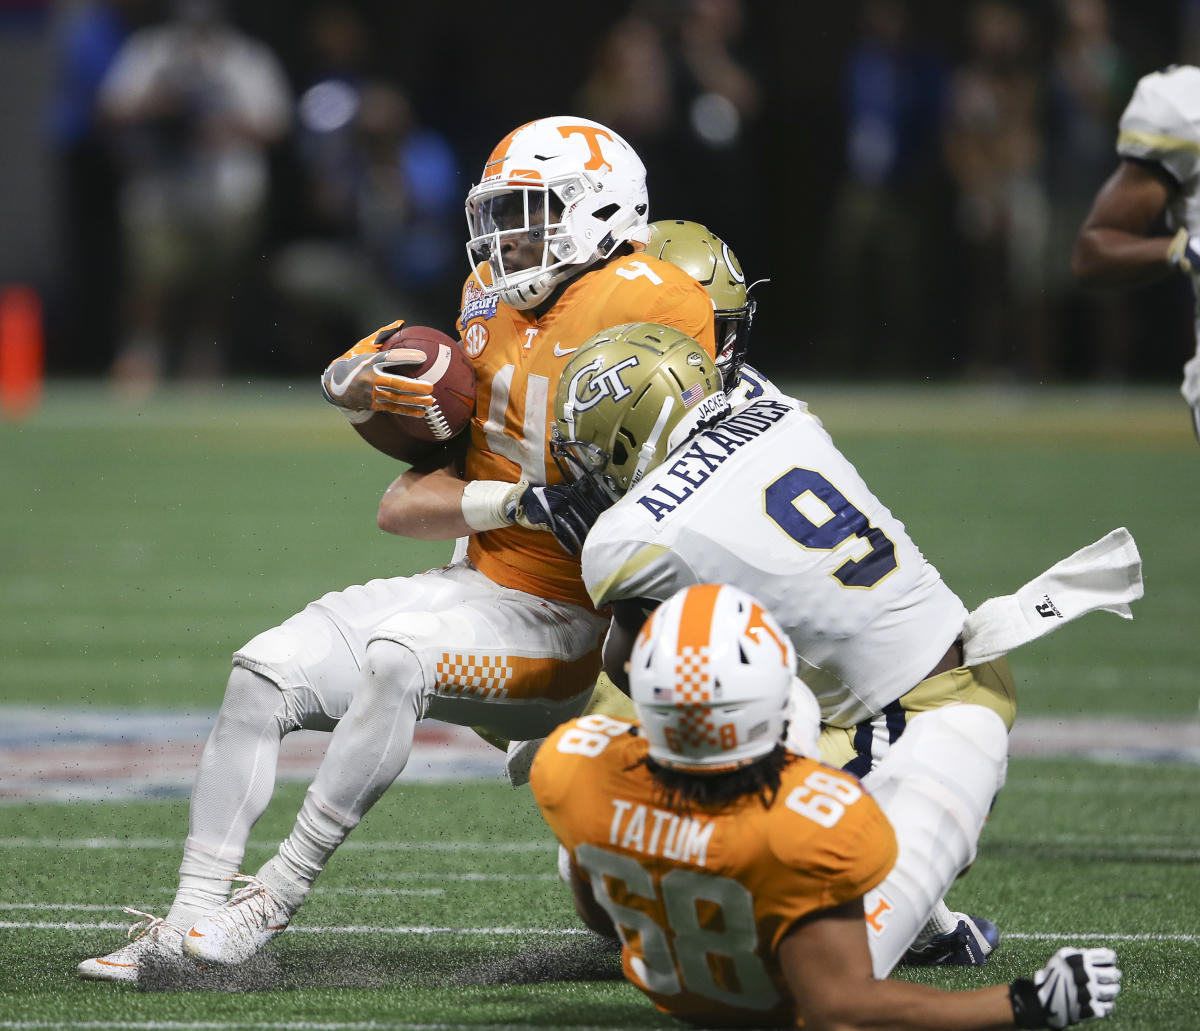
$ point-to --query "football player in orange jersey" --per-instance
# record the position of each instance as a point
(505, 638)
(751, 885)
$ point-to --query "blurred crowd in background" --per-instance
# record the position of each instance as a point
(248, 188)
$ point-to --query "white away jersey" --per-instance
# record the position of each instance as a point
(1162, 125)
(764, 500)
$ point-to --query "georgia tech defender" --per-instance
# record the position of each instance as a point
(1158, 143)
(757, 496)
(683, 489)
(750, 886)
(505, 639)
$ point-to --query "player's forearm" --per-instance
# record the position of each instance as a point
(900, 1006)
(1104, 258)
(425, 506)
(437, 505)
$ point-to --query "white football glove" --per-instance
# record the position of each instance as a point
(1184, 252)
(372, 382)
(1075, 985)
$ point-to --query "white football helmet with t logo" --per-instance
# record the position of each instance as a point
(710, 677)
(556, 195)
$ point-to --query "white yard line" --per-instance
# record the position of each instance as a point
(107, 925)
(255, 1025)
(547, 846)
(1134, 847)
(1059, 935)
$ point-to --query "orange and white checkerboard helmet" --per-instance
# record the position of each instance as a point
(570, 186)
(710, 677)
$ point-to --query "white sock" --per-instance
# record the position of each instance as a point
(303, 854)
(941, 921)
(203, 884)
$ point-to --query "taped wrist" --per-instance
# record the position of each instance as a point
(491, 504)
(1027, 1008)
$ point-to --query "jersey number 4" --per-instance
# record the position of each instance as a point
(818, 516)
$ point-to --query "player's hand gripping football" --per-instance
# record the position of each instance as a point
(373, 381)
(1075, 985)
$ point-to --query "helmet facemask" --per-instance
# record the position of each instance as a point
(523, 224)
(582, 467)
(733, 339)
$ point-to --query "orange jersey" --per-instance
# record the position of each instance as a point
(518, 360)
(702, 901)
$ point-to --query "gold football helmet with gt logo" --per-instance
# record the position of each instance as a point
(707, 259)
(624, 401)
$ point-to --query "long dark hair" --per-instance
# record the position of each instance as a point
(681, 791)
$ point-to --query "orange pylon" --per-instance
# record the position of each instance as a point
(22, 350)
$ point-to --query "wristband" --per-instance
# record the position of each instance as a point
(490, 504)
(1027, 1007)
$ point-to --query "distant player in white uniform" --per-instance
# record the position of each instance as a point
(1159, 175)
(760, 497)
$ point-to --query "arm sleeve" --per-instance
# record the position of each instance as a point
(1157, 126)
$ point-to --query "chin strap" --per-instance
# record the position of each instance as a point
(647, 450)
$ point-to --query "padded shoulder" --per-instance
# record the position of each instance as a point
(827, 827)
(1161, 124)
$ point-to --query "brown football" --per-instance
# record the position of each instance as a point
(450, 371)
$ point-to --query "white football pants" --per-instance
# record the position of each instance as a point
(449, 644)
(936, 785)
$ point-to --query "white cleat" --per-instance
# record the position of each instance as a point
(153, 939)
(236, 931)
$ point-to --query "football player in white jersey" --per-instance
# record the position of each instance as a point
(1158, 142)
(682, 488)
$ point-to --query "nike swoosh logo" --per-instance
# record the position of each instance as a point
(193, 933)
(338, 385)
(562, 352)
